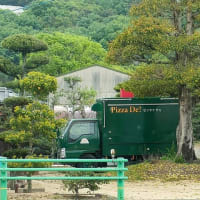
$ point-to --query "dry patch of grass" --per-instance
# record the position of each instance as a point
(164, 171)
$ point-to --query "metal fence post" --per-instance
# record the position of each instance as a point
(120, 182)
(3, 182)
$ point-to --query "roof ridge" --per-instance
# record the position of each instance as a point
(109, 68)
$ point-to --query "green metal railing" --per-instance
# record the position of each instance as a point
(119, 169)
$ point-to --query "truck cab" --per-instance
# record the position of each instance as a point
(80, 139)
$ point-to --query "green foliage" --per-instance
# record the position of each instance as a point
(39, 84)
(179, 159)
(4, 78)
(7, 67)
(154, 80)
(82, 17)
(36, 60)
(145, 37)
(30, 124)
(18, 136)
(6, 113)
(162, 80)
(171, 155)
(13, 84)
(152, 31)
(12, 102)
(69, 52)
(36, 119)
(24, 44)
(45, 147)
(7, 109)
(13, 24)
(19, 153)
(74, 185)
(107, 31)
(99, 20)
(124, 69)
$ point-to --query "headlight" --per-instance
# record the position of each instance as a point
(63, 153)
(112, 152)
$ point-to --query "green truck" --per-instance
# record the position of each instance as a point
(124, 127)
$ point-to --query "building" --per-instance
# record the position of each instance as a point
(5, 93)
(16, 9)
(101, 79)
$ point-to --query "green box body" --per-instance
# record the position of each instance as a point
(126, 127)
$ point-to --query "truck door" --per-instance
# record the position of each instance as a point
(82, 138)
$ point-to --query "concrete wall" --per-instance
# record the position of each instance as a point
(101, 79)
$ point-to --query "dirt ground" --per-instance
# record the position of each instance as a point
(139, 190)
(142, 190)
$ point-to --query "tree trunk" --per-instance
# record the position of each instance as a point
(184, 130)
(22, 92)
(83, 113)
(23, 64)
(30, 146)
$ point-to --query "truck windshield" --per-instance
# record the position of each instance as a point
(81, 128)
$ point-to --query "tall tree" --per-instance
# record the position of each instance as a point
(24, 44)
(164, 35)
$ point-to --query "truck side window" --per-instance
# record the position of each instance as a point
(81, 128)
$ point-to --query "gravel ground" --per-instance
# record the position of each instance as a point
(141, 190)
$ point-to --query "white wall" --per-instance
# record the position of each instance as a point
(102, 79)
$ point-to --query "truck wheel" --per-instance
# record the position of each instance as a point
(88, 165)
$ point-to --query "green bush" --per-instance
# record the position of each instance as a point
(179, 159)
(12, 102)
(75, 185)
(19, 153)
(171, 155)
